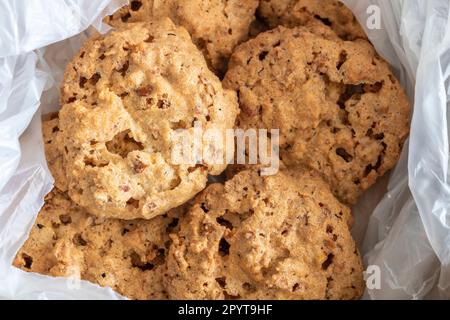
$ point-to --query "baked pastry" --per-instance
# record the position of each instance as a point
(294, 13)
(128, 256)
(339, 108)
(216, 26)
(274, 237)
(124, 97)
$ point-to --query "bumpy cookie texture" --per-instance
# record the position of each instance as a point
(294, 13)
(277, 237)
(55, 160)
(339, 108)
(216, 26)
(128, 256)
(125, 96)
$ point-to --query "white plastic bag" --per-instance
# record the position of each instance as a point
(408, 236)
(402, 223)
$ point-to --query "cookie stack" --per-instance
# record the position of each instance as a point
(123, 215)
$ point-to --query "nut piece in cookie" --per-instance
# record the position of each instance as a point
(128, 256)
(294, 13)
(124, 97)
(339, 108)
(216, 26)
(275, 237)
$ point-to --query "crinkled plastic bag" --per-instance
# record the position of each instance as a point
(408, 234)
(402, 224)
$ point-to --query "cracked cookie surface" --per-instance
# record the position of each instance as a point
(216, 26)
(128, 256)
(339, 108)
(124, 97)
(294, 13)
(275, 237)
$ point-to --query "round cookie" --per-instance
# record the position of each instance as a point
(339, 108)
(216, 26)
(294, 13)
(125, 98)
(275, 237)
(128, 256)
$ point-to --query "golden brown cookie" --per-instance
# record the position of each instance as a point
(275, 237)
(294, 13)
(124, 97)
(216, 26)
(128, 256)
(55, 161)
(339, 108)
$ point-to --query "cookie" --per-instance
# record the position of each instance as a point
(128, 256)
(125, 97)
(294, 13)
(55, 160)
(216, 26)
(339, 108)
(275, 237)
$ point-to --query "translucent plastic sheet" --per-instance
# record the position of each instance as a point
(408, 235)
(402, 224)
